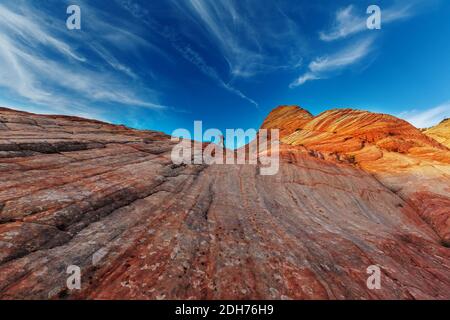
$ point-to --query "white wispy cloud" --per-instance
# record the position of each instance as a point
(195, 58)
(427, 118)
(182, 47)
(253, 39)
(28, 38)
(27, 30)
(348, 22)
(218, 17)
(325, 66)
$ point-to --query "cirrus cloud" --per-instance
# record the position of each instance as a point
(427, 118)
(40, 64)
(325, 66)
(347, 22)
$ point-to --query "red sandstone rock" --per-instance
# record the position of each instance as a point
(109, 200)
(288, 119)
(399, 155)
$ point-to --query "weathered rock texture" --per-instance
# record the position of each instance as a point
(408, 162)
(440, 133)
(109, 200)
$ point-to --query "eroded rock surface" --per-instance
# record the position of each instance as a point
(109, 200)
(405, 160)
(440, 133)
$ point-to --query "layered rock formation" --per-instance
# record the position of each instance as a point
(440, 133)
(109, 200)
(408, 162)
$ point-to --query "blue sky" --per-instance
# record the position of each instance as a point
(163, 64)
